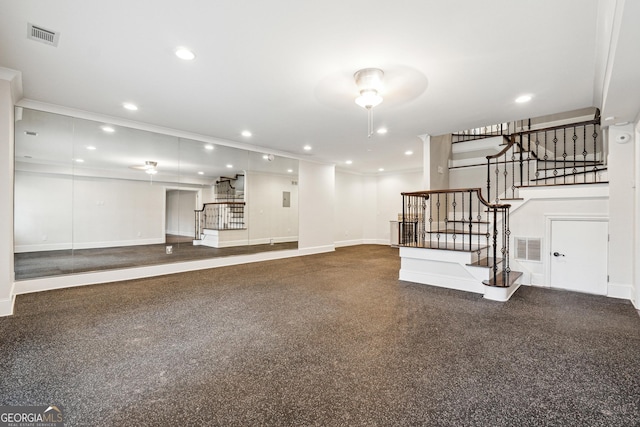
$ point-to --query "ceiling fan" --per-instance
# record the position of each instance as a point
(148, 166)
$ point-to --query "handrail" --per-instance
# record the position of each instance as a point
(570, 153)
(460, 220)
(219, 216)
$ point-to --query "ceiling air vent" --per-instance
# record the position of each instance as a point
(42, 35)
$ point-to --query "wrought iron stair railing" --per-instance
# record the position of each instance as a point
(459, 220)
(558, 155)
(219, 216)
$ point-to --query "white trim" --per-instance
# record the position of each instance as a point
(6, 305)
(87, 245)
(619, 290)
(500, 294)
(441, 281)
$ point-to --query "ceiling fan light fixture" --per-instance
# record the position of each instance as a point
(369, 98)
(369, 82)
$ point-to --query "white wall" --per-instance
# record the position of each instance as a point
(530, 220)
(180, 219)
(622, 215)
(316, 213)
(63, 212)
(7, 95)
(349, 209)
(389, 199)
(266, 218)
(43, 212)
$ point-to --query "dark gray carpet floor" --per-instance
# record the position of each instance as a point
(332, 339)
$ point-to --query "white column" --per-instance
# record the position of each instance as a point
(9, 91)
(426, 161)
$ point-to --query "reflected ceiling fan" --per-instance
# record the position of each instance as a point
(149, 167)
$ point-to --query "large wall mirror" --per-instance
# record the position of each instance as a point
(94, 196)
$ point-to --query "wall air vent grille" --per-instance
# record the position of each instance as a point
(42, 35)
(528, 248)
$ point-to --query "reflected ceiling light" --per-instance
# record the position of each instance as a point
(90, 147)
(79, 160)
(208, 147)
(381, 170)
(129, 106)
(369, 82)
(151, 171)
(108, 129)
(408, 152)
(246, 133)
(307, 148)
(185, 54)
(523, 98)
(382, 131)
(348, 162)
(200, 173)
(229, 166)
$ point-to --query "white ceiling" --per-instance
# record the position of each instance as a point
(283, 69)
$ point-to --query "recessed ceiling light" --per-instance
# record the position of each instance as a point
(246, 133)
(408, 152)
(208, 147)
(108, 129)
(129, 106)
(200, 173)
(229, 166)
(90, 147)
(382, 131)
(184, 53)
(349, 162)
(79, 160)
(523, 98)
(290, 170)
(307, 148)
(381, 170)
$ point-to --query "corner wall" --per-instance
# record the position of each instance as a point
(6, 190)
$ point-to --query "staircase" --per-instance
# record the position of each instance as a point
(460, 238)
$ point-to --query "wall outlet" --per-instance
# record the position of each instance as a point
(169, 249)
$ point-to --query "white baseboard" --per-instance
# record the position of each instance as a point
(87, 245)
(6, 304)
(457, 283)
(619, 290)
(42, 247)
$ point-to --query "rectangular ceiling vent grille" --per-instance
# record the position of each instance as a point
(43, 35)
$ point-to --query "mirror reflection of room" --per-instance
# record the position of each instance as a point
(93, 196)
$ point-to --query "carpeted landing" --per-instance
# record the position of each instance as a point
(331, 339)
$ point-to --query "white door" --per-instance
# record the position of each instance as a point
(578, 256)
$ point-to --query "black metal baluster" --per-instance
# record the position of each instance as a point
(584, 152)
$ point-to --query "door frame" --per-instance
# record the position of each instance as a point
(549, 218)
